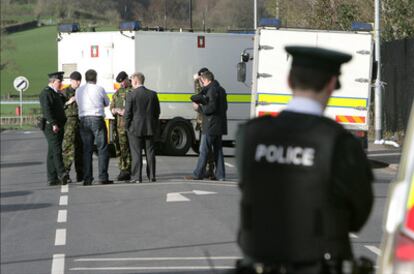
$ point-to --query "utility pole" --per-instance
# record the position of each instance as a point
(378, 91)
(277, 9)
(255, 14)
(190, 13)
(165, 14)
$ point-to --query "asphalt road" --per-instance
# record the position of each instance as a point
(171, 226)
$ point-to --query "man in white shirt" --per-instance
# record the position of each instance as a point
(92, 100)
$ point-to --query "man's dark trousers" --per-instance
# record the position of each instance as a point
(92, 128)
(55, 167)
(215, 143)
(137, 144)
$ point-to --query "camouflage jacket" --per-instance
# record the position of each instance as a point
(118, 101)
(197, 90)
(72, 109)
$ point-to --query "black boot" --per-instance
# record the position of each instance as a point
(124, 176)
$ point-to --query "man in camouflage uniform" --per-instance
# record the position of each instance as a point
(210, 159)
(117, 108)
(72, 143)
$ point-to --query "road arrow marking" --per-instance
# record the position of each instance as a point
(179, 197)
(176, 197)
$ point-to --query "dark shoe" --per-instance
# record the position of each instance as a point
(65, 179)
(108, 182)
(54, 182)
(79, 178)
(191, 178)
(153, 180)
(124, 176)
(87, 183)
(212, 178)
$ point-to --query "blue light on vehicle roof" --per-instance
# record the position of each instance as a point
(360, 26)
(69, 28)
(270, 22)
(130, 26)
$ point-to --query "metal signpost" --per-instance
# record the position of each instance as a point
(378, 91)
(21, 84)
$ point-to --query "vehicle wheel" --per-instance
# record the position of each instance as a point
(178, 139)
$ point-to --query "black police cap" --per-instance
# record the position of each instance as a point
(56, 75)
(121, 76)
(202, 71)
(76, 76)
(318, 58)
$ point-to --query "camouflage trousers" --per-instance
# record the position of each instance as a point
(72, 147)
(123, 151)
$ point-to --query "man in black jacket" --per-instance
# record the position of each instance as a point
(142, 111)
(55, 118)
(305, 180)
(214, 126)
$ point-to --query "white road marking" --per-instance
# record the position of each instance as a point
(374, 249)
(384, 154)
(228, 183)
(176, 197)
(60, 238)
(202, 192)
(152, 268)
(228, 164)
(179, 197)
(62, 216)
(353, 236)
(63, 200)
(65, 188)
(156, 259)
(58, 264)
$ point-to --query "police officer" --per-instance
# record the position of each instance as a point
(117, 108)
(305, 180)
(54, 118)
(72, 143)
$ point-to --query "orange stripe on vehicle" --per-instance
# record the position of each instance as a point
(350, 119)
(63, 86)
(117, 86)
(268, 113)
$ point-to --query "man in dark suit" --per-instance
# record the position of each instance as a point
(142, 110)
(54, 119)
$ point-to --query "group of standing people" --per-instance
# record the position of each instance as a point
(73, 122)
(305, 181)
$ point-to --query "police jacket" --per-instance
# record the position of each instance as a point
(305, 183)
(52, 107)
(214, 112)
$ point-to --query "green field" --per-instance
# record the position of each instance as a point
(10, 110)
(34, 54)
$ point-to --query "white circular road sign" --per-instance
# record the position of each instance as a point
(21, 83)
